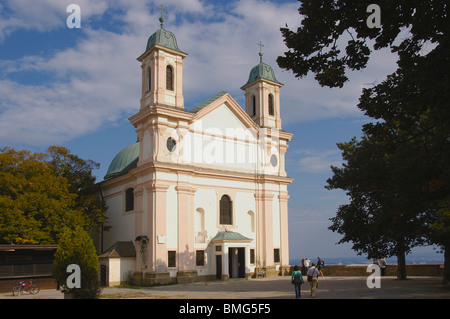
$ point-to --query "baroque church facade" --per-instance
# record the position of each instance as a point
(203, 193)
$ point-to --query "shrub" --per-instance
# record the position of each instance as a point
(75, 246)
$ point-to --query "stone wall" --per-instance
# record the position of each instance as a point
(391, 270)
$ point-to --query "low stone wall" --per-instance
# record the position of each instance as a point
(391, 270)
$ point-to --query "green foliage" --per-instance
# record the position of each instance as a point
(398, 175)
(387, 213)
(41, 193)
(334, 35)
(34, 202)
(75, 246)
(81, 182)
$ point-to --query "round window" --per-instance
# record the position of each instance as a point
(171, 144)
(274, 160)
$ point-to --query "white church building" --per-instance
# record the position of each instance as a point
(203, 193)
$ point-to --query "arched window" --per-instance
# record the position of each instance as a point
(149, 79)
(271, 111)
(129, 199)
(253, 105)
(226, 210)
(169, 78)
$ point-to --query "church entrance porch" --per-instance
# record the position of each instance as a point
(232, 255)
(231, 262)
(236, 262)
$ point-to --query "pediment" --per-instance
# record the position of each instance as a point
(223, 113)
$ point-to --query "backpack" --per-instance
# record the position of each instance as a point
(297, 279)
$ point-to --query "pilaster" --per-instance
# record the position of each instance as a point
(284, 230)
(186, 251)
(264, 229)
(157, 252)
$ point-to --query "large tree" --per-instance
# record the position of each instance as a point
(410, 106)
(334, 36)
(387, 212)
(41, 193)
(81, 182)
(34, 202)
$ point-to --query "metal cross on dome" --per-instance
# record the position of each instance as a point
(260, 46)
(260, 50)
(161, 19)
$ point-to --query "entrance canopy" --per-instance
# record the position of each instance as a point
(229, 236)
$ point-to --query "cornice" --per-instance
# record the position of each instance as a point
(196, 171)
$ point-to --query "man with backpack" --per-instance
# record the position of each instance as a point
(320, 263)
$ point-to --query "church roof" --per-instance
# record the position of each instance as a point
(262, 71)
(124, 161)
(120, 249)
(229, 236)
(163, 38)
(208, 102)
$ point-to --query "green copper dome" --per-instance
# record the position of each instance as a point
(262, 71)
(163, 38)
(124, 161)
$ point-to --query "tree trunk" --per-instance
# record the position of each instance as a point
(446, 279)
(401, 266)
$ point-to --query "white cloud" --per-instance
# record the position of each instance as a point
(192, 6)
(306, 100)
(97, 81)
(42, 116)
(43, 15)
(318, 162)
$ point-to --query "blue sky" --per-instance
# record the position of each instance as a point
(78, 87)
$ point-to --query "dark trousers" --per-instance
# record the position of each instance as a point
(298, 290)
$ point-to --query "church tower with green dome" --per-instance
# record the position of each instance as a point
(162, 70)
(262, 95)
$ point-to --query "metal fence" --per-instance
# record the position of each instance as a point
(25, 270)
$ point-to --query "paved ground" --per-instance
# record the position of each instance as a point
(273, 288)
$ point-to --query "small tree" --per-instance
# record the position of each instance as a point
(76, 247)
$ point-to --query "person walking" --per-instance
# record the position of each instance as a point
(320, 264)
(297, 281)
(313, 278)
(382, 263)
(303, 267)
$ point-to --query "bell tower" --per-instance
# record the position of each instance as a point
(162, 70)
(262, 95)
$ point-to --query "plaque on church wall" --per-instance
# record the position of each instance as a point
(199, 239)
(161, 239)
